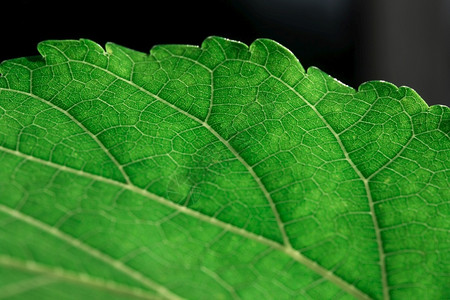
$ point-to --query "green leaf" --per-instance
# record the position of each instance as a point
(216, 172)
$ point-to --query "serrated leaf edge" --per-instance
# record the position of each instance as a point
(287, 249)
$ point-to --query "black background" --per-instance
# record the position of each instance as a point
(405, 42)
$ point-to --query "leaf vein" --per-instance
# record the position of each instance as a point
(50, 275)
(116, 264)
(294, 254)
(215, 133)
(80, 125)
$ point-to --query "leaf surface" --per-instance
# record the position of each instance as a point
(216, 172)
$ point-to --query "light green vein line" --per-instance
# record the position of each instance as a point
(24, 286)
(118, 265)
(220, 281)
(79, 124)
(294, 254)
(49, 275)
(381, 254)
(210, 129)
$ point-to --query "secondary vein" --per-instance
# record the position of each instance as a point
(258, 181)
(118, 265)
(50, 275)
(294, 254)
(378, 237)
(79, 124)
(285, 247)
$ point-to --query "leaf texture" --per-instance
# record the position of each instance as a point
(216, 172)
